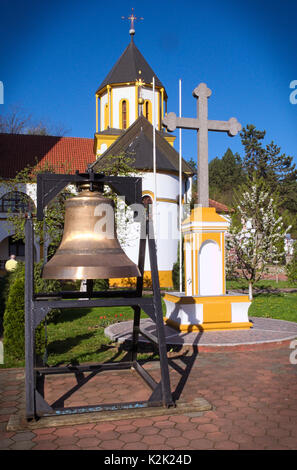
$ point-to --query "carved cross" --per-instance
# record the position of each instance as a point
(202, 124)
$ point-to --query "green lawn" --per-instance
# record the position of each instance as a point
(262, 284)
(78, 336)
(282, 306)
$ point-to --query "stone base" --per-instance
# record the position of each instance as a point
(200, 313)
(18, 422)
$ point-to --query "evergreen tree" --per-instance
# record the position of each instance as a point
(266, 162)
(225, 175)
(276, 168)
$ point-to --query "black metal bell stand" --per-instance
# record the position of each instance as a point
(38, 306)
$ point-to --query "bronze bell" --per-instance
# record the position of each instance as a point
(86, 250)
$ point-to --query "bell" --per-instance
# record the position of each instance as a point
(87, 250)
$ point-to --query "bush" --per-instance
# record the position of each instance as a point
(13, 297)
(4, 289)
(101, 284)
(175, 273)
(14, 322)
(291, 267)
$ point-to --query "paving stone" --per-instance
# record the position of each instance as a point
(226, 445)
(129, 437)
(126, 428)
(23, 436)
(6, 443)
(151, 440)
(164, 424)
(178, 443)
(201, 444)
(44, 438)
(170, 432)
(87, 442)
(148, 430)
(135, 446)
(22, 445)
(107, 436)
(208, 428)
(45, 446)
(113, 444)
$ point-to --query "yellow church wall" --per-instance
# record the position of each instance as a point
(165, 279)
(103, 139)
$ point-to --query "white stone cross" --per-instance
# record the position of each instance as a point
(202, 124)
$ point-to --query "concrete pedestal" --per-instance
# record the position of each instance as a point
(199, 313)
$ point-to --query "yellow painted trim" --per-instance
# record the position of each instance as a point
(223, 262)
(121, 113)
(96, 100)
(111, 108)
(170, 139)
(203, 229)
(196, 291)
(213, 236)
(185, 265)
(108, 104)
(187, 300)
(162, 104)
(147, 192)
(159, 111)
(192, 262)
(136, 101)
(204, 214)
(164, 199)
(211, 326)
(131, 84)
(106, 116)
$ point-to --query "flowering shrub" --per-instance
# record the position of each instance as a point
(257, 239)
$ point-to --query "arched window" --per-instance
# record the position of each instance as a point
(15, 201)
(146, 200)
(148, 110)
(124, 114)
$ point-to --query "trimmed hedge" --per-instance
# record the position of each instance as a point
(14, 323)
(13, 298)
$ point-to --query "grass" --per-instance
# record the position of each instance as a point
(281, 306)
(78, 336)
(262, 284)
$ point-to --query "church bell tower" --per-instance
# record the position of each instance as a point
(126, 94)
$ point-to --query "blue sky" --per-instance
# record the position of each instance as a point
(54, 54)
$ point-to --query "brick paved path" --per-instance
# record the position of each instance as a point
(253, 395)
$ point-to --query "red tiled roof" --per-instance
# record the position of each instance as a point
(63, 154)
(219, 206)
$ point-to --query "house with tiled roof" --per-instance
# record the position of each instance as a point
(17, 151)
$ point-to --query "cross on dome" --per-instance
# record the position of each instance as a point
(132, 18)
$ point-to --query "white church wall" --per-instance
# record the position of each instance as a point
(147, 94)
(118, 94)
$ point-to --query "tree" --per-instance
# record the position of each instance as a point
(54, 213)
(18, 121)
(256, 236)
(225, 175)
(266, 162)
